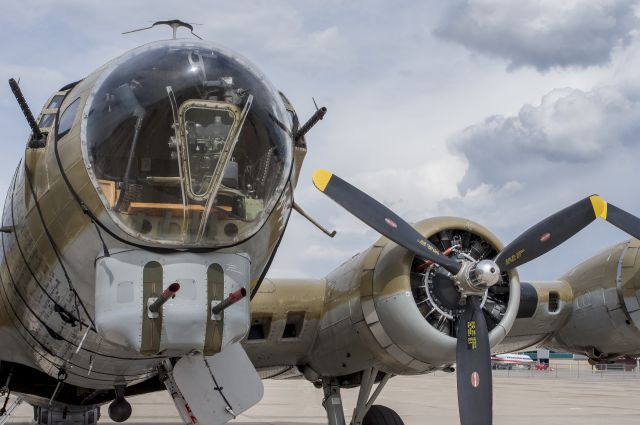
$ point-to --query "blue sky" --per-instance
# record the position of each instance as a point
(502, 112)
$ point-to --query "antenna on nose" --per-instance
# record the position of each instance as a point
(174, 24)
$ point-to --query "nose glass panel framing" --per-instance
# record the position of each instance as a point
(187, 144)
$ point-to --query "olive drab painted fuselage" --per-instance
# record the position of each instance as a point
(58, 222)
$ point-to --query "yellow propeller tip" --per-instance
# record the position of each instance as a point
(321, 179)
(599, 206)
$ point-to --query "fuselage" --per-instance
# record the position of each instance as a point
(71, 209)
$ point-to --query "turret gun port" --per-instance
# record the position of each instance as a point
(155, 304)
(233, 298)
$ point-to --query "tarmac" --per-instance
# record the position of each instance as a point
(523, 398)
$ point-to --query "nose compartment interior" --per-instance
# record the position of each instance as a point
(187, 144)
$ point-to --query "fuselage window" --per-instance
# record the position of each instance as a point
(260, 327)
(56, 102)
(46, 121)
(67, 118)
(293, 327)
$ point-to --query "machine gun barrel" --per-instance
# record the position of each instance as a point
(167, 294)
(15, 88)
(317, 116)
(233, 298)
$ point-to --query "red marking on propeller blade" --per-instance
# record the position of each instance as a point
(545, 237)
(391, 223)
(475, 379)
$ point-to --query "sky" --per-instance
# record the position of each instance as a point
(498, 111)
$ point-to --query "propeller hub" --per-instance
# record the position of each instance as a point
(475, 277)
(484, 274)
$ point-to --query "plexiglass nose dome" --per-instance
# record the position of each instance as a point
(188, 144)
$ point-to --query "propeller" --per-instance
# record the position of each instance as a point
(557, 228)
(473, 360)
(381, 219)
(473, 350)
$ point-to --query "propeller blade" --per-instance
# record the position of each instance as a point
(555, 229)
(380, 218)
(622, 220)
(473, 363)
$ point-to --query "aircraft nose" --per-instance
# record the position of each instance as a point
(188, 145)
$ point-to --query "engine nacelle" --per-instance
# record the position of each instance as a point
(604, 321)
(383, 307)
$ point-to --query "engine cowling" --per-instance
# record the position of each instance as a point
(385, 308)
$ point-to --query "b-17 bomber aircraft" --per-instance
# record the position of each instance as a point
(140, 224)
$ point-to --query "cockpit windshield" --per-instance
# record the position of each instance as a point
(188, 144)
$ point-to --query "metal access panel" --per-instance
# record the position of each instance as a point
(127, 282)
(218, 388)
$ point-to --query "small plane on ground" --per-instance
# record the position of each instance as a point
(141, 222)
(510, 361)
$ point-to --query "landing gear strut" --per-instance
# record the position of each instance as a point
(8, 408)
(332, 402)
(365, 412)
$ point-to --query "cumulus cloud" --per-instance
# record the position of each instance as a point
(542, 33)
(413, 191)
(568, 126)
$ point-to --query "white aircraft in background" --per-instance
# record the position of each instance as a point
(510, 360)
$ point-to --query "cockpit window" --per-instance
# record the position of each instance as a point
(46, 121)
(188, 144)
(67, 118)
(56, 101)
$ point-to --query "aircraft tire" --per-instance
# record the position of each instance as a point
(381, 415)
